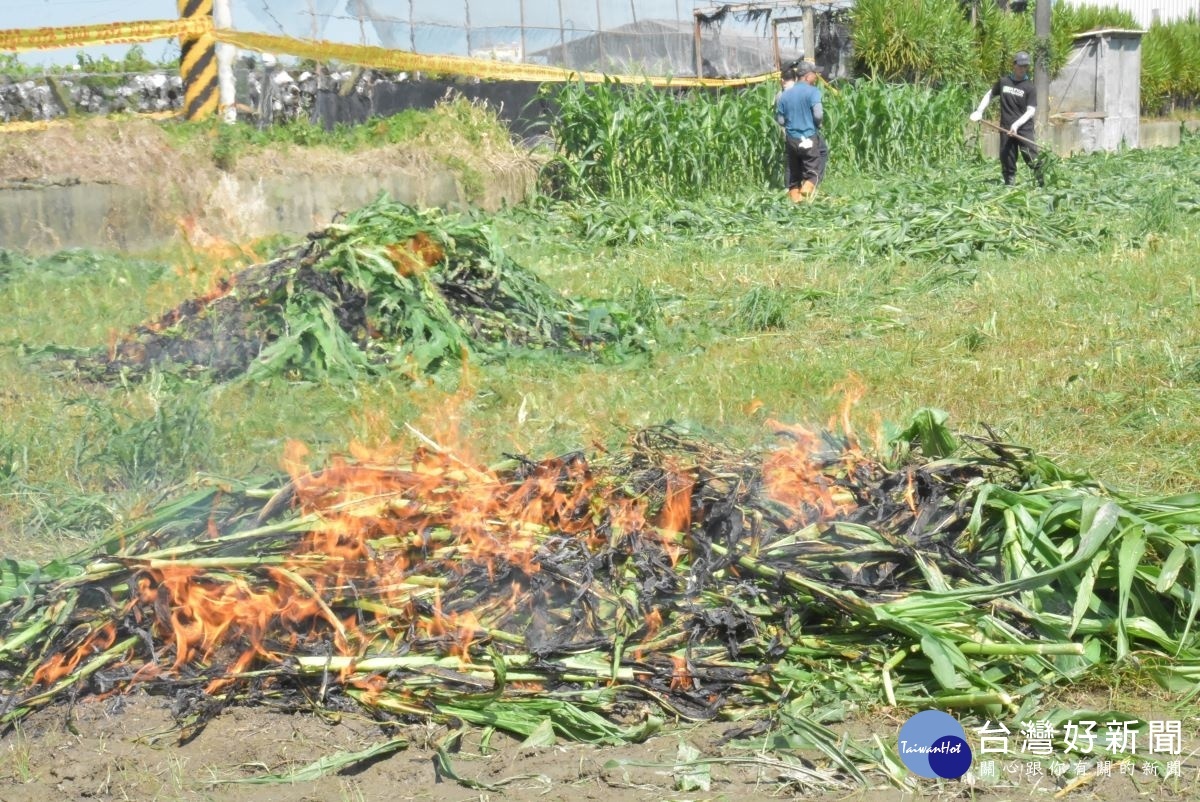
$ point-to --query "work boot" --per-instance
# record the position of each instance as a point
(808, 189)
(795, 195)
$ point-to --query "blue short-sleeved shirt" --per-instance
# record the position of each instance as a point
(796, 105)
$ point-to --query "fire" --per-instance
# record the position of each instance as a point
(394, 539)
(910, 492)
(681, 676)
(415, 255)
(676, 512)
(466, 630)
(64, 662)
(206, 620)
(795, 476)
(852, 391)
(372, 685)
(203, 242)
(654, 621)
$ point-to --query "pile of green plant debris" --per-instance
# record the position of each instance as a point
(389, 285)
(565, 597)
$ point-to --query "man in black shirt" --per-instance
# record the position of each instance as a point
(1018, 103)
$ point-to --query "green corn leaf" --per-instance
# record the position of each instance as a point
(327, 764)
(1169, 573)
(1133, 546)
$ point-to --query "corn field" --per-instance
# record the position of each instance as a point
(628, 142)
(944, 42)
(877, 126)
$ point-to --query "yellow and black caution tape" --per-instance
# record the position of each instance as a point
(198, 61)
(15, 40)
(196, 26)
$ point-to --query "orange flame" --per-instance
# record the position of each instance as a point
(399, 532)
(654, 621)
(910, 492)
(681, 677)
(793, 476)
(676, 512)
(64, 662)
(415, 255)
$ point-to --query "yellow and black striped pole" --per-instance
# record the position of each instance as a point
(198, 63)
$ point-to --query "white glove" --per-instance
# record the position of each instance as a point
(806, 143)
(976, 116)
(1013, 131)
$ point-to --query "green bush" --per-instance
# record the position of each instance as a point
(926, 41)
(1170, 69)
(934, 41)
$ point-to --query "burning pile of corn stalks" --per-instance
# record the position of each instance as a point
(389, 285)
(598, 596)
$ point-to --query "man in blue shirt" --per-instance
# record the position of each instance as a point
(800, 113)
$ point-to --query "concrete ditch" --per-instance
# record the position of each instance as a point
(48, 217)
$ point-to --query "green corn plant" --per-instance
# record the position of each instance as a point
(878, 126)
(632, 140)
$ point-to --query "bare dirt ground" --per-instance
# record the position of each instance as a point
(125, 748)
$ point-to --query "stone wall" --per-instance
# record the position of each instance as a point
(50, 98)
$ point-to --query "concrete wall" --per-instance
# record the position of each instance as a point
(1121, 64)
(44, 219)
(1074, 89)
(1086, 135)
(1163, 133)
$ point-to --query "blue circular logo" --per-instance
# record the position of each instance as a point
(933, 744)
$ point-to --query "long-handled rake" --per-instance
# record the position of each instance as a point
(1041, 161)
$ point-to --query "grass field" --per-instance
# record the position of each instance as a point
(1089, 354)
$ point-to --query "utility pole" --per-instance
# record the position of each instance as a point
(562, 37)
(600, 37)
(810, 33)
(1041, 67)
(198, 63)
(522, 8)
(467, 17)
